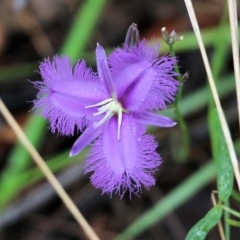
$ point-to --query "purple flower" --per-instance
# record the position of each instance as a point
(114, 107)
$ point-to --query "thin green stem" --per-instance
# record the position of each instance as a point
(179, 78)
(185, 148)
(235, 195)
(233, 212)
(226, 225)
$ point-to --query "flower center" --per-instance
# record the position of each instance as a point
(110, 107)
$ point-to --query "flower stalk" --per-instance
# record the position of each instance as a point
(170, 39)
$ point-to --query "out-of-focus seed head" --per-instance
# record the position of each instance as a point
(170, 38)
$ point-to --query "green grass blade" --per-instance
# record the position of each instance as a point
(225, 173)
(86, 20)
(15, 166)
(235, 195)
(200, 230)
(226, 215)
(231, 211)
(17, 71)
(233, 222)
(19, 159)
(218, 65)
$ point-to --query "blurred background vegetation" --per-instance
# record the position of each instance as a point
(31, 30)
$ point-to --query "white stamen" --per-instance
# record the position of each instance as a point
(103, 109)
(100, 103)
(108, 115)
(110, 107)
(119, 122)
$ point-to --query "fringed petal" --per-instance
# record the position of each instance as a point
(155, 87)
(61, 69)
(127, 164)
(64, 94)
(123, 57)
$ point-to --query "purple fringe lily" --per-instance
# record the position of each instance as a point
(112, 108)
